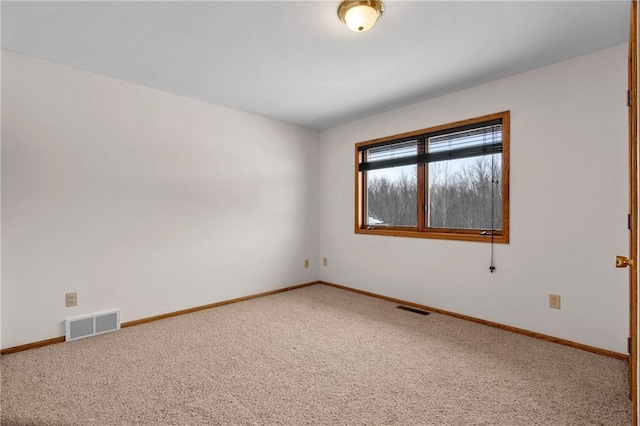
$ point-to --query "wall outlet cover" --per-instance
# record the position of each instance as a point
(554, 301)
(71, 299)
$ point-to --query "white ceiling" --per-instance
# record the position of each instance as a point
(296, 62)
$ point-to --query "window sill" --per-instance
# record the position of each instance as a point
(455, 236)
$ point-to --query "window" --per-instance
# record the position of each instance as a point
(447, 182)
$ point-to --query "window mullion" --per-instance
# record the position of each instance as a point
(422, 185)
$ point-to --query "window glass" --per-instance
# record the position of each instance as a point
(465, 193)
(392, 196)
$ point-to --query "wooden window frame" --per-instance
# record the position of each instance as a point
(421, 230)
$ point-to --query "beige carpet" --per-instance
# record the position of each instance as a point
(316, 355)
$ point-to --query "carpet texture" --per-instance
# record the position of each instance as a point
(316, 355)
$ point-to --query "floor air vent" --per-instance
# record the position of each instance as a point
(90, 325)
(416, 311)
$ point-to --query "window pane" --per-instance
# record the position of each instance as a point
(464, 193)
(392, 196)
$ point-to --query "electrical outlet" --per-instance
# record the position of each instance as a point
(554, 301)
(324, 261)
(71, 299)
(306, 263)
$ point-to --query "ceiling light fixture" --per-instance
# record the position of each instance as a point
(360, 15)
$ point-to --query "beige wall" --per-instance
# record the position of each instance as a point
(142, 200)
(150, 202)
(568, 207)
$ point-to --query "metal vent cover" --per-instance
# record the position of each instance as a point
(414, 310)
(90, 325)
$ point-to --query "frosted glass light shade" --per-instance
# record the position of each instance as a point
(361, 18)
(360, 15)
